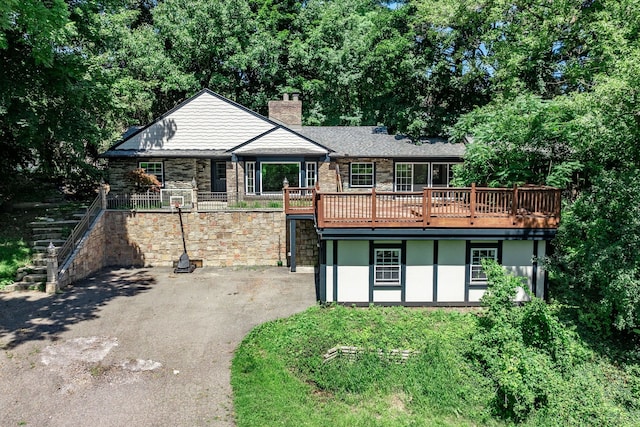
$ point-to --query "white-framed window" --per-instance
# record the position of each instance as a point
(411, 176)
(153, 168)
(387, 267)
(442, 174)
(361, 174)
(250, 182)
(477, 274)
(273, 174)
(312, 173)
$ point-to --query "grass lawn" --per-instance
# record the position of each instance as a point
(279, 376)
(14, 250)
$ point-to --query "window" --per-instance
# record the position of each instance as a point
(362, 175)
(411, 176)
(153, 168)
(251, 177)
(311, 173)
(387, 267)
(477, 255)
(272, 176)
(441, 174)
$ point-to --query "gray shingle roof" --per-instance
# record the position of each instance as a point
(207, 154)
(373, 141)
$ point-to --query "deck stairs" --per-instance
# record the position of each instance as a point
(54, 228)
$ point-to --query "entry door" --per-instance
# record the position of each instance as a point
(219, 176)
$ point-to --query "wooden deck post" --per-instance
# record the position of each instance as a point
(426, 206)
(319, 209)
(514, 203)
(472, 203)
(373, 207)
(286, 199)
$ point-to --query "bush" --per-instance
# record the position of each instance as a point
(524, 350)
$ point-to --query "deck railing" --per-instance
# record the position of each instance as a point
(64, 252)
(204, 201)
(214, 201)
(518, 207)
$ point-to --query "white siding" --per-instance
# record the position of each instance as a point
(205, 123)
(284, 140)
(475, 294)
(451, 270)
(329, 276)
(517, 260)
(353, 271)
(419, 275)
(387, 295)
(540, 282)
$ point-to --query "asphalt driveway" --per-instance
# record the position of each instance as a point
(136, 347)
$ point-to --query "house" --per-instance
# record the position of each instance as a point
(375, 213)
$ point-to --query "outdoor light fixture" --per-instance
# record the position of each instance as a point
(285, 182)
(193, 182)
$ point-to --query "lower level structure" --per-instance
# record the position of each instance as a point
(426, 249)
(424, 271)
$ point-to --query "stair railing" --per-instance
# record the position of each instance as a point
(80, 229)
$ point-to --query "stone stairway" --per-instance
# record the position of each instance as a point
(53, 228)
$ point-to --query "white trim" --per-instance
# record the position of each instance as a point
(373, 173)
(279, 163)
(155, 162)
(478, 267)
(389, 268)
(250, 175)
(314, 178)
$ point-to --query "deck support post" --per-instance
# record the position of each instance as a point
(514, 203)
(472, 203)
(373, 207)
(426, 206)
(292, 245)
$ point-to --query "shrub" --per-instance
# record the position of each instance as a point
(524, 350)
(143, 181)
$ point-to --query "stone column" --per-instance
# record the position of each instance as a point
(52, 269)
(194, 194)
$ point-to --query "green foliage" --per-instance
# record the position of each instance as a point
(282, 363)
(13, 255)
(508, 365)
(143, 181)
(598, 269)
(524, 350)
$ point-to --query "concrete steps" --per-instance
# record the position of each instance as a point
(54, 228)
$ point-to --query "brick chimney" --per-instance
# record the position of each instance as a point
(287, 112)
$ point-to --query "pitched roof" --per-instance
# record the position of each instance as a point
(374, 141)
(208, 123)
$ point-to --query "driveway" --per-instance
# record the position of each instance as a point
(136, 347)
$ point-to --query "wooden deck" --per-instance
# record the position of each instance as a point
(518, 207)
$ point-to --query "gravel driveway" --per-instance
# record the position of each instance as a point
(136, 347)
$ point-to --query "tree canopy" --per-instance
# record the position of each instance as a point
(547, 90)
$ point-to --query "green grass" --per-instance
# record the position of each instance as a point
(279, 377)
(13, 255)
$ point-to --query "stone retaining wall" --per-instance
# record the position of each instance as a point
(217, 238)
(89, 256)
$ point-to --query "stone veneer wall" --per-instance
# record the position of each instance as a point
(89, 256)
(306, 242)
(383, 173)
(217, 238)
(327, 176)
(178, 173)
